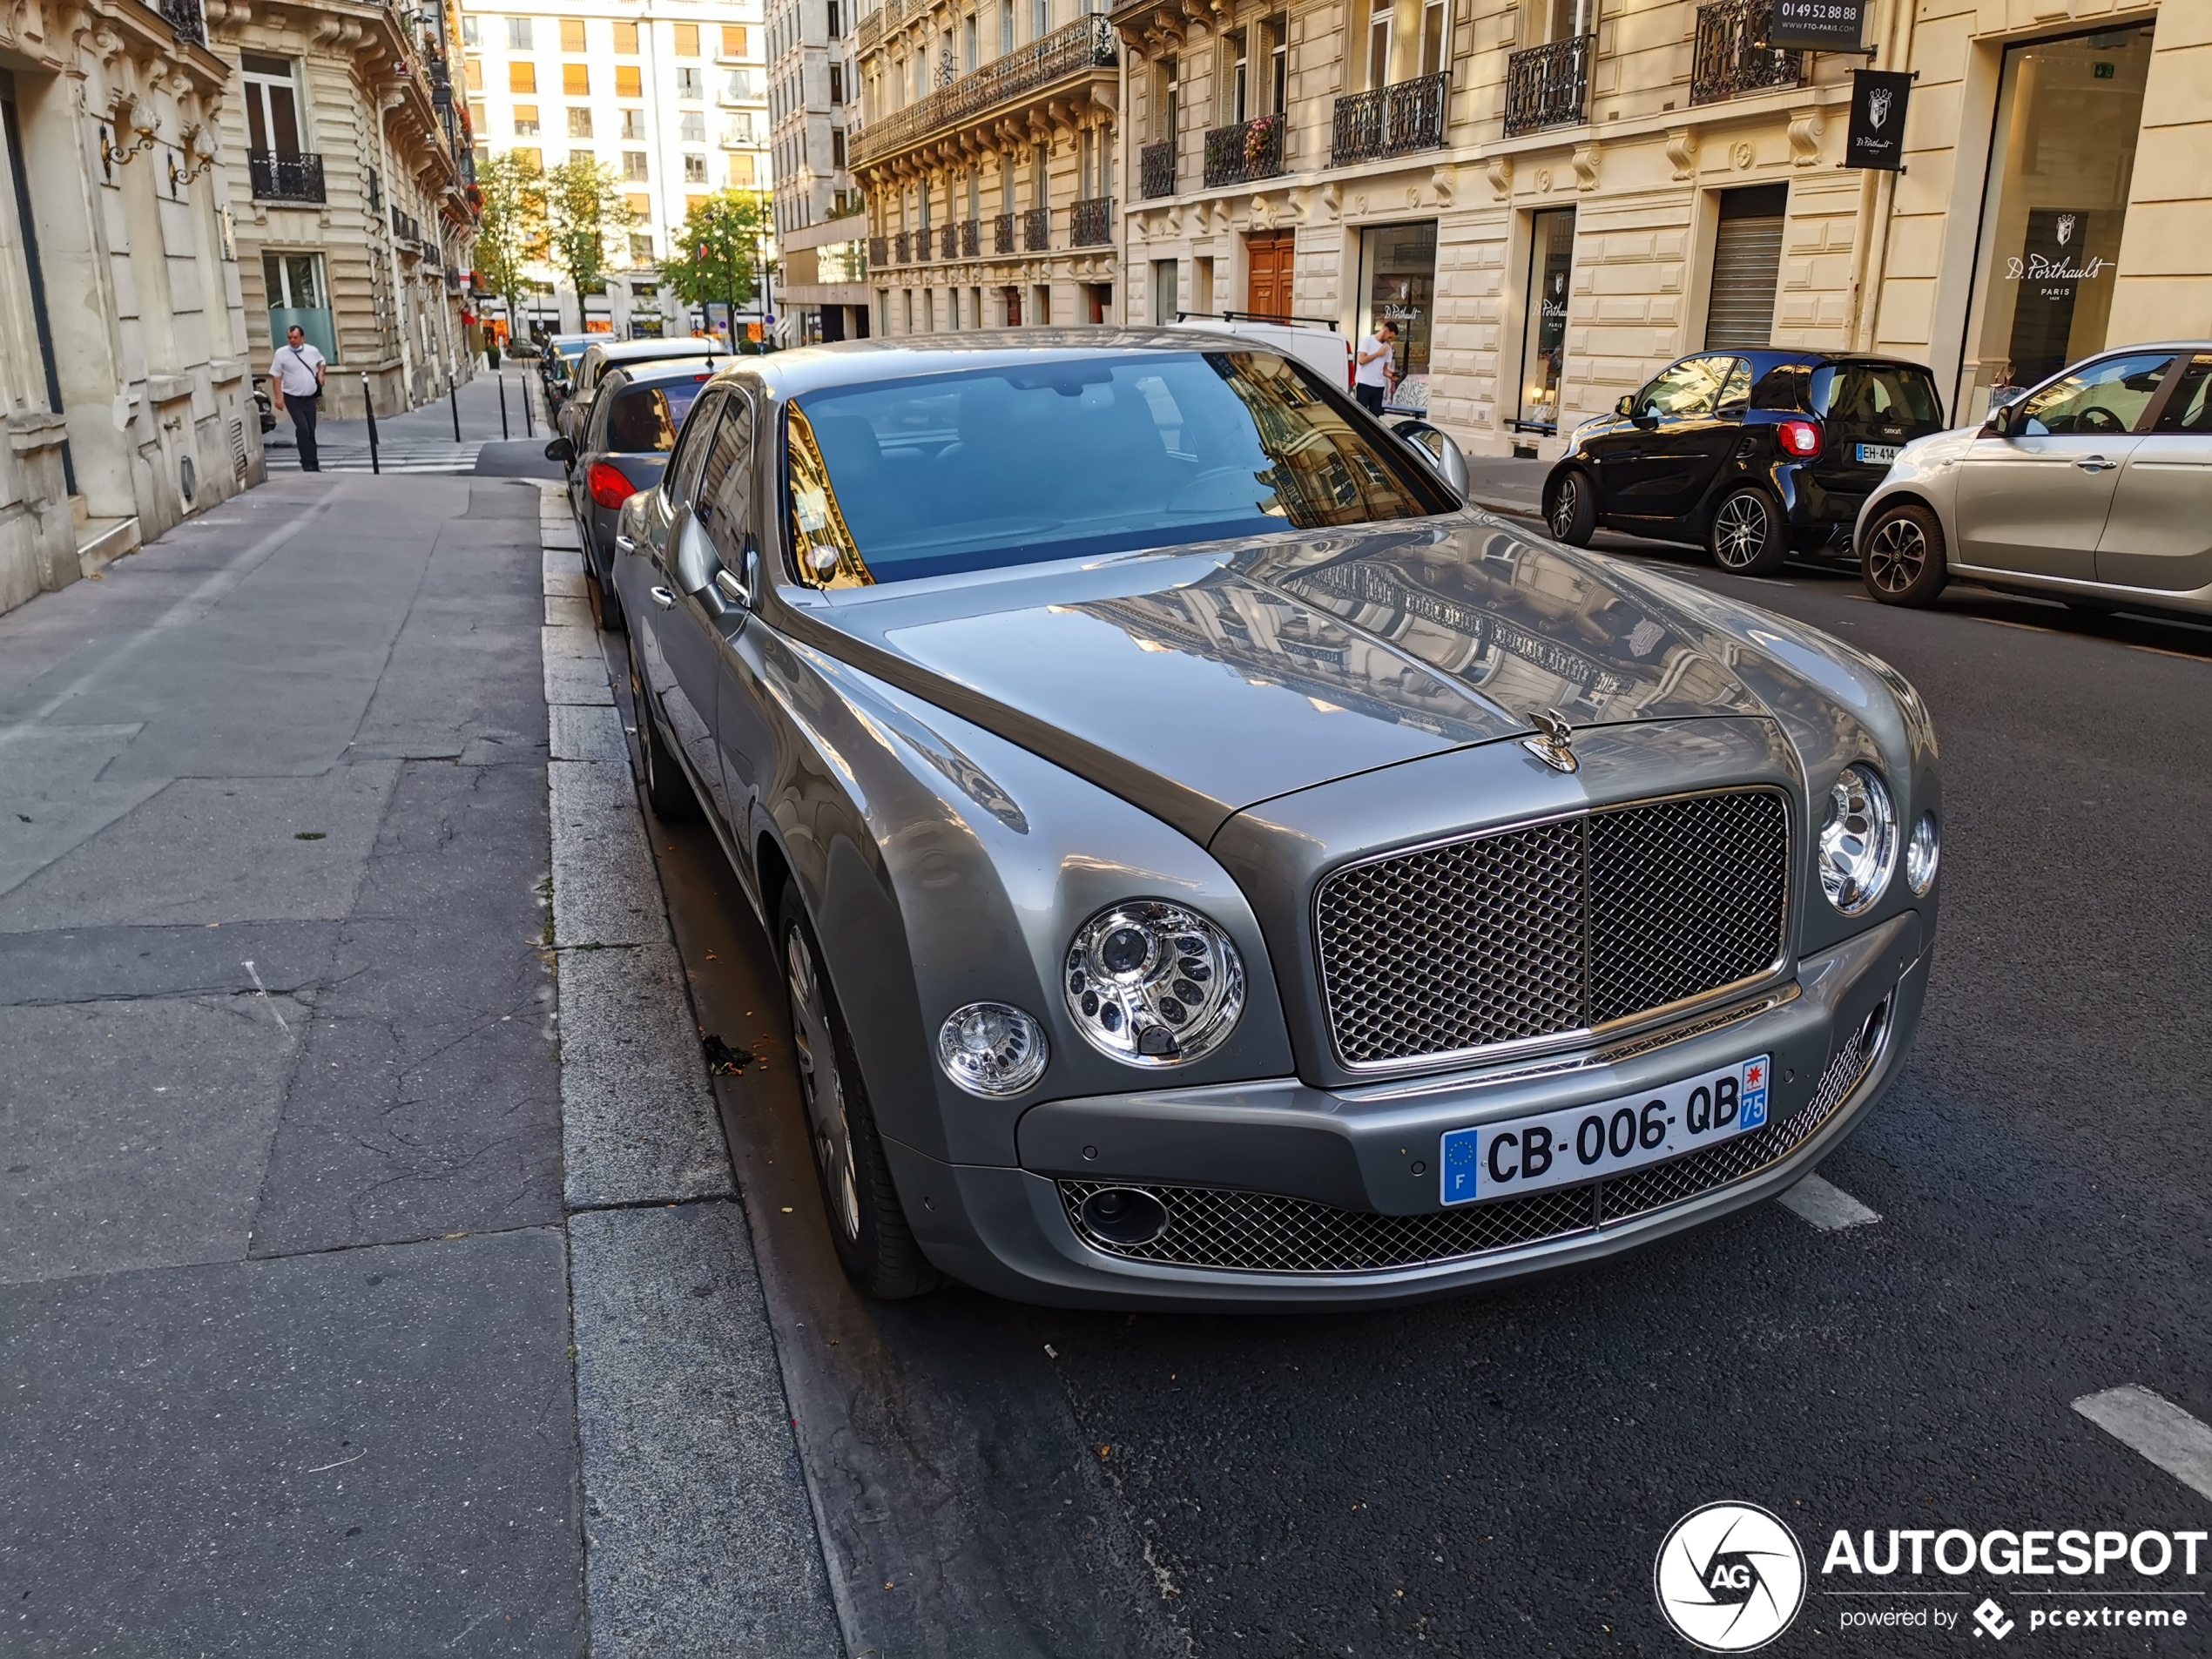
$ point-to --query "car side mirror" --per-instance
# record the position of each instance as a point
(697, 561)
(1436, 447)
(2003, 419)
(1626, 408)
(563, 450)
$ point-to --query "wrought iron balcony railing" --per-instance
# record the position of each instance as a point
(922, 239)
(1091, 222)
(970, 238)
(903, 249)
(1003, 233)
(1156, 169)
(284, 178)
(1085, 45)
(1732, 57)
(1037, 230)
(1250, 150)
(878, 250)
(1390, 120)
(185, 17)
(375, 193)
(1548, 86)
(405, 227)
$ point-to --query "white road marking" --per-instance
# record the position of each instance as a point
(1826, 1206)
(2157, 1429)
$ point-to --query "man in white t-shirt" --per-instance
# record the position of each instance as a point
(1371, 375)
(296, 379)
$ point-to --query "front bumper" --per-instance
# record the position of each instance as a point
(1281, 1153)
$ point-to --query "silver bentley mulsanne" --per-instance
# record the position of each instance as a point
(1213, 867)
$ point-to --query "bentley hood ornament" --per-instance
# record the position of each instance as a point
(1553, 742)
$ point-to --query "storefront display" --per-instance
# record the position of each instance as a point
(1398, 278)
(2069, 116)
(1551, 270)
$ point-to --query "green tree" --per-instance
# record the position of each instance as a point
(718, 254)
(584, 211)
(513, 188)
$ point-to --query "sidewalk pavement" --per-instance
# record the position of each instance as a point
(423, 440)
(370, 1276)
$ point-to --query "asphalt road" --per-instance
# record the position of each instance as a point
(1494, 1474)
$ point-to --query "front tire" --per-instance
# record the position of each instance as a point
(1901, 559)
(1572, 516)
(668, 791)
(1747, 537)
(867, 1222)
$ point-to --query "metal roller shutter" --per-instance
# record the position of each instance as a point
(1747, 268)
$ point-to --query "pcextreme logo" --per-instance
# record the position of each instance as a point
(1729, 1577)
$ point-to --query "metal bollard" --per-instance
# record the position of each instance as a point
(453, 402)
(526, 405)
(369, 405)
(503, 432)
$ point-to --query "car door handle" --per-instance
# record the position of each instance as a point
(2095, 463)
(663, 597)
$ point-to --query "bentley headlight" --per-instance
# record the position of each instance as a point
(1859, 842)
(1153, 984)
(1921, 854)
(991, 1048)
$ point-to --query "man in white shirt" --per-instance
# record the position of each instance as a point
(295, 377)
(1371, 375)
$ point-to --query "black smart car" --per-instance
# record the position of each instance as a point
(1755, 454)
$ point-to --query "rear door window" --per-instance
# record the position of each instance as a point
(646, 419)
(2189, 410)
(1865, 396)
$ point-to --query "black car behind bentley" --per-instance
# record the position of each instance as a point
(1756, 454)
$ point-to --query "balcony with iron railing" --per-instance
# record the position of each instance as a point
(280, 177)
(1081, 48)
(1548, 86)
(922, 239)
(1250, 150)
(1037, 230)
(903, 249)
(1390, 120)
(1003, 233)
(1090, 222)
(1156, 169)
(878, 250)
(971, 238)
(1732, 57)
(184, 18)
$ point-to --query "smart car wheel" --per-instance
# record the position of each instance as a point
(1746, 537)
(1572, 517)
(668, 791)
(875, 1244)
(1901, 557)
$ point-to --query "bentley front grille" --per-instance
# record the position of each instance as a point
(1551, 928)
(1223, 1229)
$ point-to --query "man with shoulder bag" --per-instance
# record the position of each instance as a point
(295, 377)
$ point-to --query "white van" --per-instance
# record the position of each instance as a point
(1317, 344)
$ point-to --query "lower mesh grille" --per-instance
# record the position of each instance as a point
(1262, 1232)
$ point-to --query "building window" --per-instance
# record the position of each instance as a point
(630, 81)
(521, 77)
(271, 105)
(733, 40)
(837, 84)
(479, 117)
(1379, 22)
(526, 121)
(1006, 32)
(572, 35)
(692, 204)
(1239, 76)
(687, 40)
(297, 299)
(472, 73)
(579, 122)
(694, 170)
(583, 153)
(1543, 335)
(837, 147)
(1399, 265)
(641, 249)
(518, 35)
(469, 32)
(625, 40)
(640, 206)
(633, 123)
(529, 156)
(575, 79)
(633, 164)
(687, 84)
(1436, 37)
(692, 127)
(1278, 30)
(836, 20)
(1573, 17)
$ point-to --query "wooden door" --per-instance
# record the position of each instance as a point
(1267, 292)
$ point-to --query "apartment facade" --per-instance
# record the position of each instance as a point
(351, 177)
(672, 94)
(1552, 199)
(125, 352)
(814, 100)
(989, 150)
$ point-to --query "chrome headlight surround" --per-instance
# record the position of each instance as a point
(992, 1049)
(1922, 853)
(1153, 984)
(1858, 844)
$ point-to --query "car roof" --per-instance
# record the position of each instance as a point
(854, 362)
(689, 368)
(623, 351)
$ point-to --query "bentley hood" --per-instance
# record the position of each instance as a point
(1200, 681)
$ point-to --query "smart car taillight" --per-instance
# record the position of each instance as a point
(1800, 439)
(608, 487)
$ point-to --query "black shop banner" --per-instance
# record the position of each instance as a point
(1877, 135)
(1817, 25)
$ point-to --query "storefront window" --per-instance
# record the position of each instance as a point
(1399, 263)
(1551, 270)
(2069, 114)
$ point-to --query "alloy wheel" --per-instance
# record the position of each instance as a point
(822, 1088)
(1566, 504)
(1896, 554)
(1740, 530)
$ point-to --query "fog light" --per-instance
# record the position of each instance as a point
(1124, 1215)
(1922, 855)
(991, 1048)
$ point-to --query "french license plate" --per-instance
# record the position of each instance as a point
(1558, 1149)
(1880, 453)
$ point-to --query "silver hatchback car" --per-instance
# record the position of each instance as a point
(2095, 488)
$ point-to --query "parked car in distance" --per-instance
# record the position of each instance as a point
(622, 447)
(1211, 866)
(607, 354)
(557, 367)
(1314, 341)
(2093, 488)
(1756, 453)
